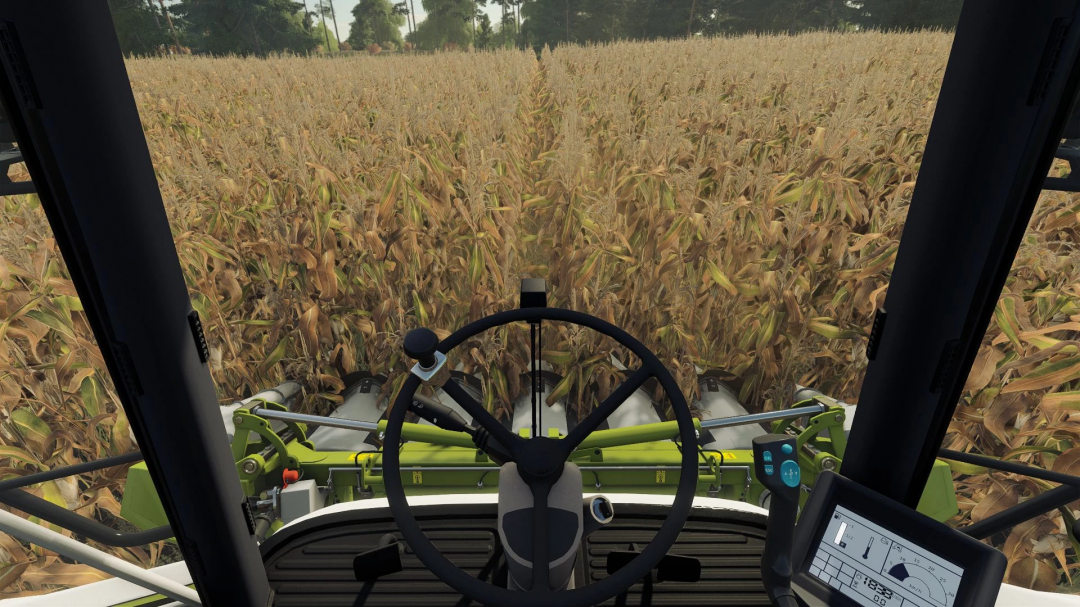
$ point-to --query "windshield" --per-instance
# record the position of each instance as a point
(727, 182)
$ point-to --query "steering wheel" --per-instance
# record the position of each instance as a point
(540, 461)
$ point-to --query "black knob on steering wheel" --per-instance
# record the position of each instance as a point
(540, 462)
(420, 345)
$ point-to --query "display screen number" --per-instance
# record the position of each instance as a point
(885, 593)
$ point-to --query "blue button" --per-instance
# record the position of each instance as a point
(786, 449)
(789, 473)
(768, 469)
(767, 456)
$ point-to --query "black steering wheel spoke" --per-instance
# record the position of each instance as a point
(605, 409)
(507, 439)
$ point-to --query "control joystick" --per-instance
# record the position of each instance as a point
(777, 468)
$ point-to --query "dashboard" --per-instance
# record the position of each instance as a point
(854, 547)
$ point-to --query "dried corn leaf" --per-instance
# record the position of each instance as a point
(1030, 572)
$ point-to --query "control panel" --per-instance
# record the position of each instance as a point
(856, 547)
(780, 462)
(877, 567)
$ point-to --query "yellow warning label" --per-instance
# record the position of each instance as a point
(661, 477)
(417, 477)
(729, 455)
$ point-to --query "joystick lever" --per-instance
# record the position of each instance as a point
(777, 467)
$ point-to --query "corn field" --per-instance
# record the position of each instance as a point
(734, 203)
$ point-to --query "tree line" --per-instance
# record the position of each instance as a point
(262, 27)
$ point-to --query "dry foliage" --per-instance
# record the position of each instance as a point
(734, 203)
(57, 406)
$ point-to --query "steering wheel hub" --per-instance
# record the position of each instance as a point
(541, 459)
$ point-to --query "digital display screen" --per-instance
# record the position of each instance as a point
(877, 568)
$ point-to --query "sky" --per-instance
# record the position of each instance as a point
(343, 10)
